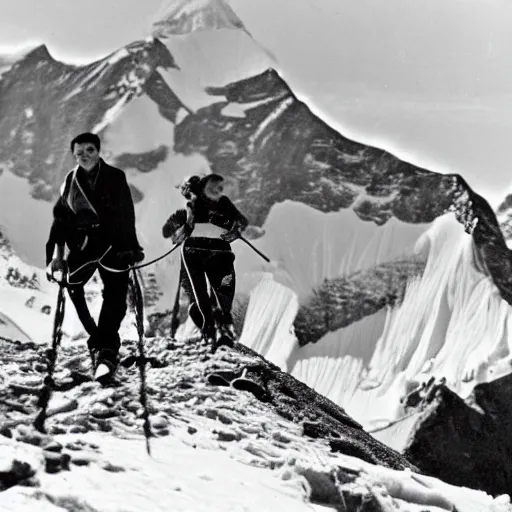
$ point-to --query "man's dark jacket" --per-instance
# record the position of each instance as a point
(114, 221)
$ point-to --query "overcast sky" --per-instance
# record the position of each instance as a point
(429, 80)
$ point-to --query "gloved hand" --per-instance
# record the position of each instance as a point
(57, 270)
(130, 257)
(252, 232)
(231, 235)
(179, 235)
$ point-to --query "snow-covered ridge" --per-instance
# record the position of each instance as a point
(214, 446)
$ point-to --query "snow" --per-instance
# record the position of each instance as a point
(179, 17)
(90, 80)
(280, 109)
(178, 478)
(186, 475)
(234, 109)
(31, 322)
(25, 221)
(215, 448)
(311, 246)
(452, 323)
(10, 330)
(117, 56)
(215, 58)
(111, 113)
(9, 56)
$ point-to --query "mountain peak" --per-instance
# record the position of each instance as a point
(179, 17)
(9, 56)
(39, 53)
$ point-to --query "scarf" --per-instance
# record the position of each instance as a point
(77, 197)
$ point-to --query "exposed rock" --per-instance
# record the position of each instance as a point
(467, 445)
(14, 472)
(82, 458)
(321, 417)
(159, 422)
(113, 468)
(55, 462)
(100, 410)
(52, 446)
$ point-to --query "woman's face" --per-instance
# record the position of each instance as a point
(213, 190)
(231, 187)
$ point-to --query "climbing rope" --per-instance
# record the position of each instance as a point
(49, 382)
(138, 302)
(142, 265)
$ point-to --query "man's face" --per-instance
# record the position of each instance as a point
(86, 155)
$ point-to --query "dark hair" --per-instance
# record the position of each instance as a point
(191, 185)
(195, 184)
(210, 177)
(84, 138)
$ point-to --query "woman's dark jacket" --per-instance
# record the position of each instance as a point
(222, 213)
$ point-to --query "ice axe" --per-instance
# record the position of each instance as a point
(254, 248)
(49, 382)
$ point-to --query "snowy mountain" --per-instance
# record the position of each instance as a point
(26, 304)
(384, 275)
(8, 58)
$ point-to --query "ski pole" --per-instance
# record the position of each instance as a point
(176, 308)
(139, 317)
(254, 249)
(49, 384)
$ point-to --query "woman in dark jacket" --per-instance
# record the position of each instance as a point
(207, 226)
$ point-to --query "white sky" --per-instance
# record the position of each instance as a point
(429, 80)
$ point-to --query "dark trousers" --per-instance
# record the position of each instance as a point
(115, 288)
(199, 264)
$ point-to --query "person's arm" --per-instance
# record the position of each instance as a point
(121, 227)
(127, 236)
(176, 226)
(55, 246)
(238, 222)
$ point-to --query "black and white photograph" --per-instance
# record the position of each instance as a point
(255, 256)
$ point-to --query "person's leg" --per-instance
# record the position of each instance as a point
(221, 274)
(197, 290)
(113, 310)
(78, 279)
(77, 296)
(193, 309)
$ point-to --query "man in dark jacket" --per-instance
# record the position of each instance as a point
(95, 218)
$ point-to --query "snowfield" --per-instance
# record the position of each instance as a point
(214, 447)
